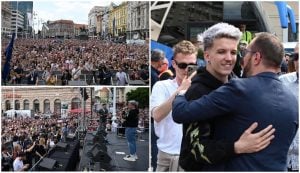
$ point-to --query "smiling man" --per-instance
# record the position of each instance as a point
(220, 51)
(261, 97)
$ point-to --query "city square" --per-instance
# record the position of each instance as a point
(111, 48)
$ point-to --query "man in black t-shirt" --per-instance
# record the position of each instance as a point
(103, 114)
(32, 77)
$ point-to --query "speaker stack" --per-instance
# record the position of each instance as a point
(63, 157)
(62, 146)
(95, 157)
(47, 164)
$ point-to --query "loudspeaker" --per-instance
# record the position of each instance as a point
(47, 164)
(98, 154)
(100, 146)
(71, 138)
(61, 146)
(99, 139)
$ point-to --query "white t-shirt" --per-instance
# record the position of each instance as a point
(169, 132)
(289, 80)
(121, 78)
(18, 164)
(76, 72)
(289, 77)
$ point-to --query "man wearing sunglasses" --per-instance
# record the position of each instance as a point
(261, 97)
(169, 133)
(291, 80)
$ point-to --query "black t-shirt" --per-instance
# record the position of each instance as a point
(132, 119)
(40, 149)
(31, 79)
(144, 75)
(103, 114)
(29, 156)
(19, 70)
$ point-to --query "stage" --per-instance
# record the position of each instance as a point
(116, 149)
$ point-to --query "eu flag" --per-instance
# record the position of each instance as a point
(8, 53)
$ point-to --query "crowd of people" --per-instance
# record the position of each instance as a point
(29, 139)
(52, 61)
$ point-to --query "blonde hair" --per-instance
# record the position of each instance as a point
(42, 141)
(185, 47)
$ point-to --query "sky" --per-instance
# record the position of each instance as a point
(76, 10)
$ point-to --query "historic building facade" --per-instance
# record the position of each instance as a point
(60, 28)
(138, 25)
(44, 100)
(92, 18)
(118, 20)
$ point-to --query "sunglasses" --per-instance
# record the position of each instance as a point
(183, 65)
(295, 56)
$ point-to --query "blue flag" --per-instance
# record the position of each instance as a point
(8, 53)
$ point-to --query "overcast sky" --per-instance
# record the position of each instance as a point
(76, 10)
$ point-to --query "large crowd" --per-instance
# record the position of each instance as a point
(31, 138)
(73, 57)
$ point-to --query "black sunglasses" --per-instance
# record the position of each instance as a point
(295, 56)
(183, 65)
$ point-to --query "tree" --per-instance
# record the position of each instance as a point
(141, 95)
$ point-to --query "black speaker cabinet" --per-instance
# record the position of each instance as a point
(47, 164)
(98, 154)
(61, 146)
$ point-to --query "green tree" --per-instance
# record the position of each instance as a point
(141, 95)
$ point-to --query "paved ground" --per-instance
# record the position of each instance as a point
(118, 148)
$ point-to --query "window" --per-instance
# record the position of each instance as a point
(7, 105)
(36, 105)
(47, 106)
(17, 105)
(76, 103)
(57, 106)
(26, 105)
